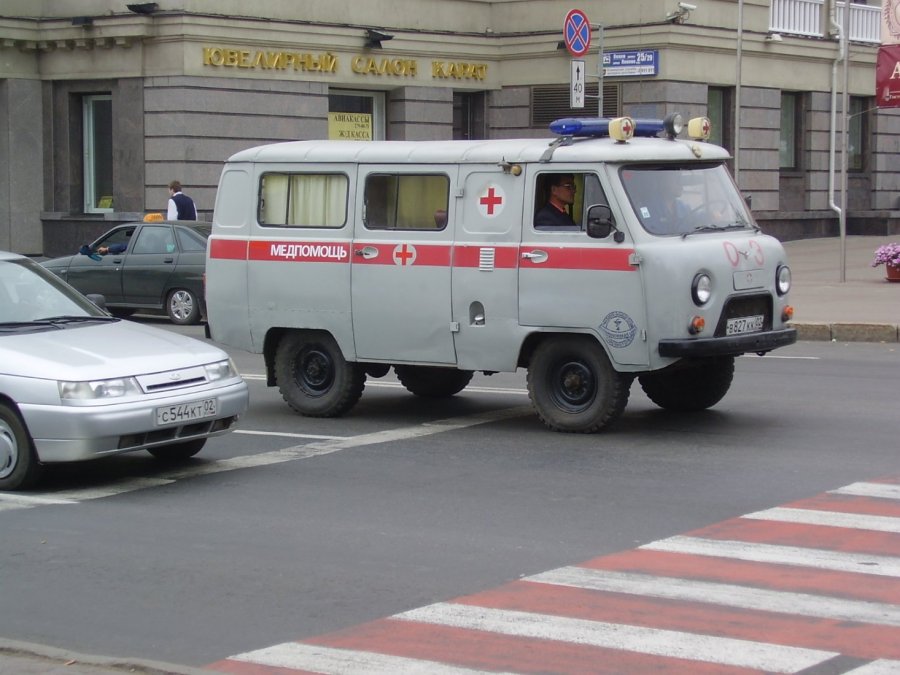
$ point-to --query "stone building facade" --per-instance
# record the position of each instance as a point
(102, 103)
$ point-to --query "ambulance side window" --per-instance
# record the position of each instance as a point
(586, 192)
(303, 199)
(406, 201)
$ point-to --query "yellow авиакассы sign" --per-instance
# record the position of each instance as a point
(344, 126)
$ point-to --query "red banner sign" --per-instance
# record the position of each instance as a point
(887, 77)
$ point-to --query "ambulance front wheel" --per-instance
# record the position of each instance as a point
(432, 382)
(690, 385)
(313, 376)
(573, 386)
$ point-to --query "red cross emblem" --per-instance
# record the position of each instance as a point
(404, 254)
(492, 201)
(626, 127)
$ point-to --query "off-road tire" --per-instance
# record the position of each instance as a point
(573, 386)
(689, 386)
(431, 381)
(314, 378)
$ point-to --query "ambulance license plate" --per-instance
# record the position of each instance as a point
(744, 324)
(186, 412)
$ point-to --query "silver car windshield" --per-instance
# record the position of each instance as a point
(33, 298)
(682, 200)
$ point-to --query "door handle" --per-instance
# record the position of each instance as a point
(537, 256)
(367, 252)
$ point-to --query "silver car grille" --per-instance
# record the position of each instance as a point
(172, 379)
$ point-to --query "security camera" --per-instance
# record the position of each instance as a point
(687, 6)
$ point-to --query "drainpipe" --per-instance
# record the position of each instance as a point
(737, 94)
(841, 58)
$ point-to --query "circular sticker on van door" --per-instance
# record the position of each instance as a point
(618, 329)
(491, 201)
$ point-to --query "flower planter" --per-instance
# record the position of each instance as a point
(892, 272)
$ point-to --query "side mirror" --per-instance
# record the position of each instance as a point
(749, 201)
(600, 223)
(85, 249)
(97, 299)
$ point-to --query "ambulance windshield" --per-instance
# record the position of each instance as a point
(684, 199)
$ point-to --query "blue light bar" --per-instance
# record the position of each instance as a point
(598, 127)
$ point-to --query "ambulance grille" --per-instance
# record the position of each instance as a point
(746, 305)
(486, 259)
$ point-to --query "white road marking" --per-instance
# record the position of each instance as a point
(284, 434)
(838, 561)
(325, 446)
(828, 518)
(317, 659)
(726, 595)
(880, 667)
(877, 490)
(659, 642)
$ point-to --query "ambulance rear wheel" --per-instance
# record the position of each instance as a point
(313, 376)
(432, 382)
(573, 386)
(690, 386)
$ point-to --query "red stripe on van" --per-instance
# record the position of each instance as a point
(300, 251)
(571, 258)
(228, 249)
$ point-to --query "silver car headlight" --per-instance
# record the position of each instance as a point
(99, 389)
(221, 370)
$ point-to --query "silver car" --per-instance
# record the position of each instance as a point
(77, 383)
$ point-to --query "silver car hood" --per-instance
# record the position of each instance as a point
(100, 351)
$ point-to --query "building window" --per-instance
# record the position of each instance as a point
(98, 161)
(551, 102)
(791, 133)
(858, 131)
(303, 200)
(356, 115)
(469, 116)
(720, 107)
(406, 202)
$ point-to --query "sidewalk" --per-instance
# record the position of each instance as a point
(24, 658)
(863, 308)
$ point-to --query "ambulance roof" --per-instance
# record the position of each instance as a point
(481, 152)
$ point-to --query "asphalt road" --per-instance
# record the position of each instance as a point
(295, 527)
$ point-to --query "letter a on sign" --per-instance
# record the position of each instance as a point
(887, 77)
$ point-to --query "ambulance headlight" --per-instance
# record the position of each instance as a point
(701, 289)
(783, 279)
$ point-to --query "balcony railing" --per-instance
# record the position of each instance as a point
(806, 17)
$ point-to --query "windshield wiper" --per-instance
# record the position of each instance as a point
(53, 320)
(716, 228)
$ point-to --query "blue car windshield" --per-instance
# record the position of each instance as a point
(682, 199)
(30, 294)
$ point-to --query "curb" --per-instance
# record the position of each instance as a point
(19, 657)
(848, 332)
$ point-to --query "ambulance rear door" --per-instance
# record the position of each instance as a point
(568, 280)
(400, 264)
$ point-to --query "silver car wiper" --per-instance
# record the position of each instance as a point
(53, 320)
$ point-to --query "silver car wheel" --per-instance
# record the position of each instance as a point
(9, 450)
(183, 307)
